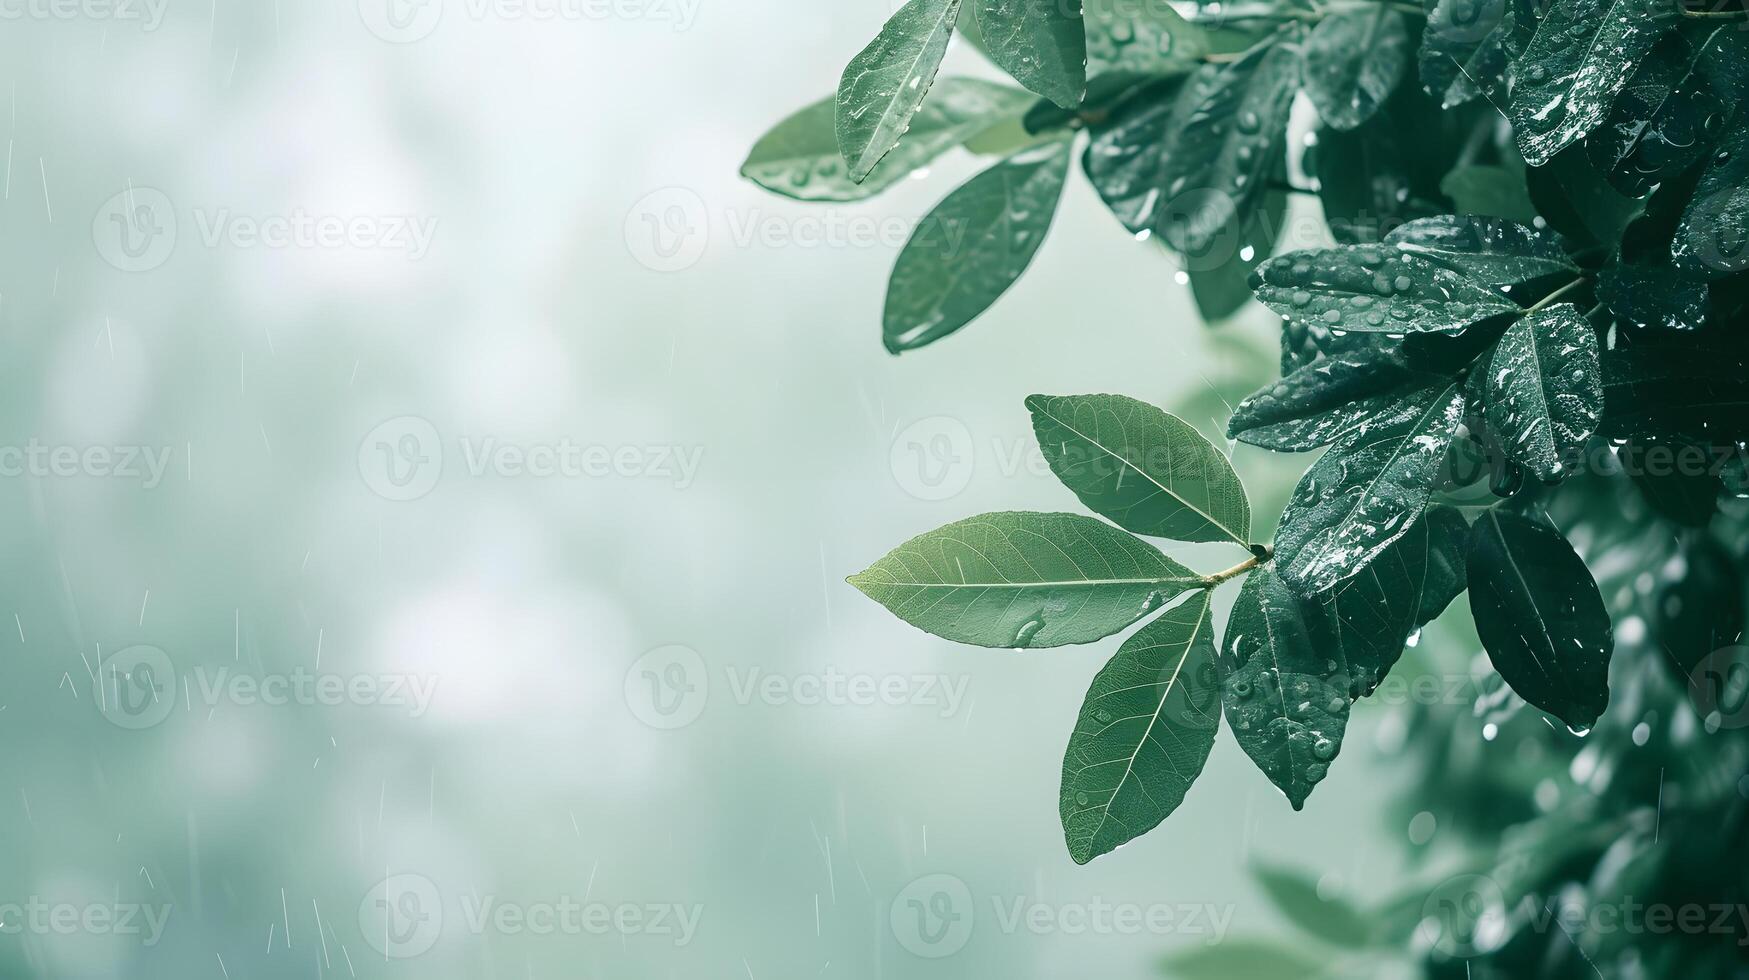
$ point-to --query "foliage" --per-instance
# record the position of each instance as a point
(1537, 270)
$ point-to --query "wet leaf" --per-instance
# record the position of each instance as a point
(1581, 55)
(1653, 294)
(1544, 391)
(1367, 491)
(1468, 44)
(1316, 404)
(1141, 38)
(1145, 730)
(1366, 621)
(1540, 617)
(886, 82)
(976, 243)
(1663, 120)
(1190, 164)
(1576, 200)
(1142, 469)
(1494, 251)
(1354, 59)
(1295, 895)
(1390, 289)
(1040, 42)
(1700, 606)
(1713, 240)
(1493, 191)
(1223, 288)
(799, 157)
(1023, 580)
(1285, 699)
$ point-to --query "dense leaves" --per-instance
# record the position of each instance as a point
(1145, 731)
(1540, 617)
(1141, 468)
(1354, 59)
(1024, 580)
(1387, 289)
(1581, 56)
(1545, 390)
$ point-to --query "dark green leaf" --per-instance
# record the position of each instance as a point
(1660, 123)
(1223, 287)
(1189, 167)
(1305, 409)
(1668, 391)
(799, 158)
(1144, 733)
(966, 253)
(1148, 38)
(1689, 499)
(1653, 294)
(1145, 470)
(1040, 42)
(1354, 59)
(1367, 491)
(1700, 608)
(1493, 191)
(1578, 201)
(1494, 251)
(1285, 699)
(1714, 238)
(1387, 171)
(1580, 57)
(1540, 617)
(1376, 289)
(1468, 44)
(1296, 896)
(1024, 580)
(886, 82)
(1366, 621)
(1544, 391)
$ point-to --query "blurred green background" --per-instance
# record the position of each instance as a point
(311, 261)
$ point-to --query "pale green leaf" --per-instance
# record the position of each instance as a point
(886, 82)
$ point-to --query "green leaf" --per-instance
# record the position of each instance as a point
(1580, 57)
(1145, 470)
(1144, 733)
(1493, 191)
(1660, 123)
(1296, 896)
(1367, 491)
(1544, 391)
(1680, 479)
(1671, 390)
(976, 243)
(886, 82)
(1190, 167)
(1494, 251)
(1240, 959)
(1388, 289)
(1040, 42)
(1575, 199)
(1468, 45)
(1354, 59)
(1222, 288)
(1316, 404)
(799, 157)
(1700, 611)
(1285, 700)
(1386, 172)
(1653, 294)
(1540, 617)
(1024, 580)
(1366, 621)
(1143, 38)
(1713, 240)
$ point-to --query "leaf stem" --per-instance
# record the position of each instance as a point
(1255, 561)
(1549, 300)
